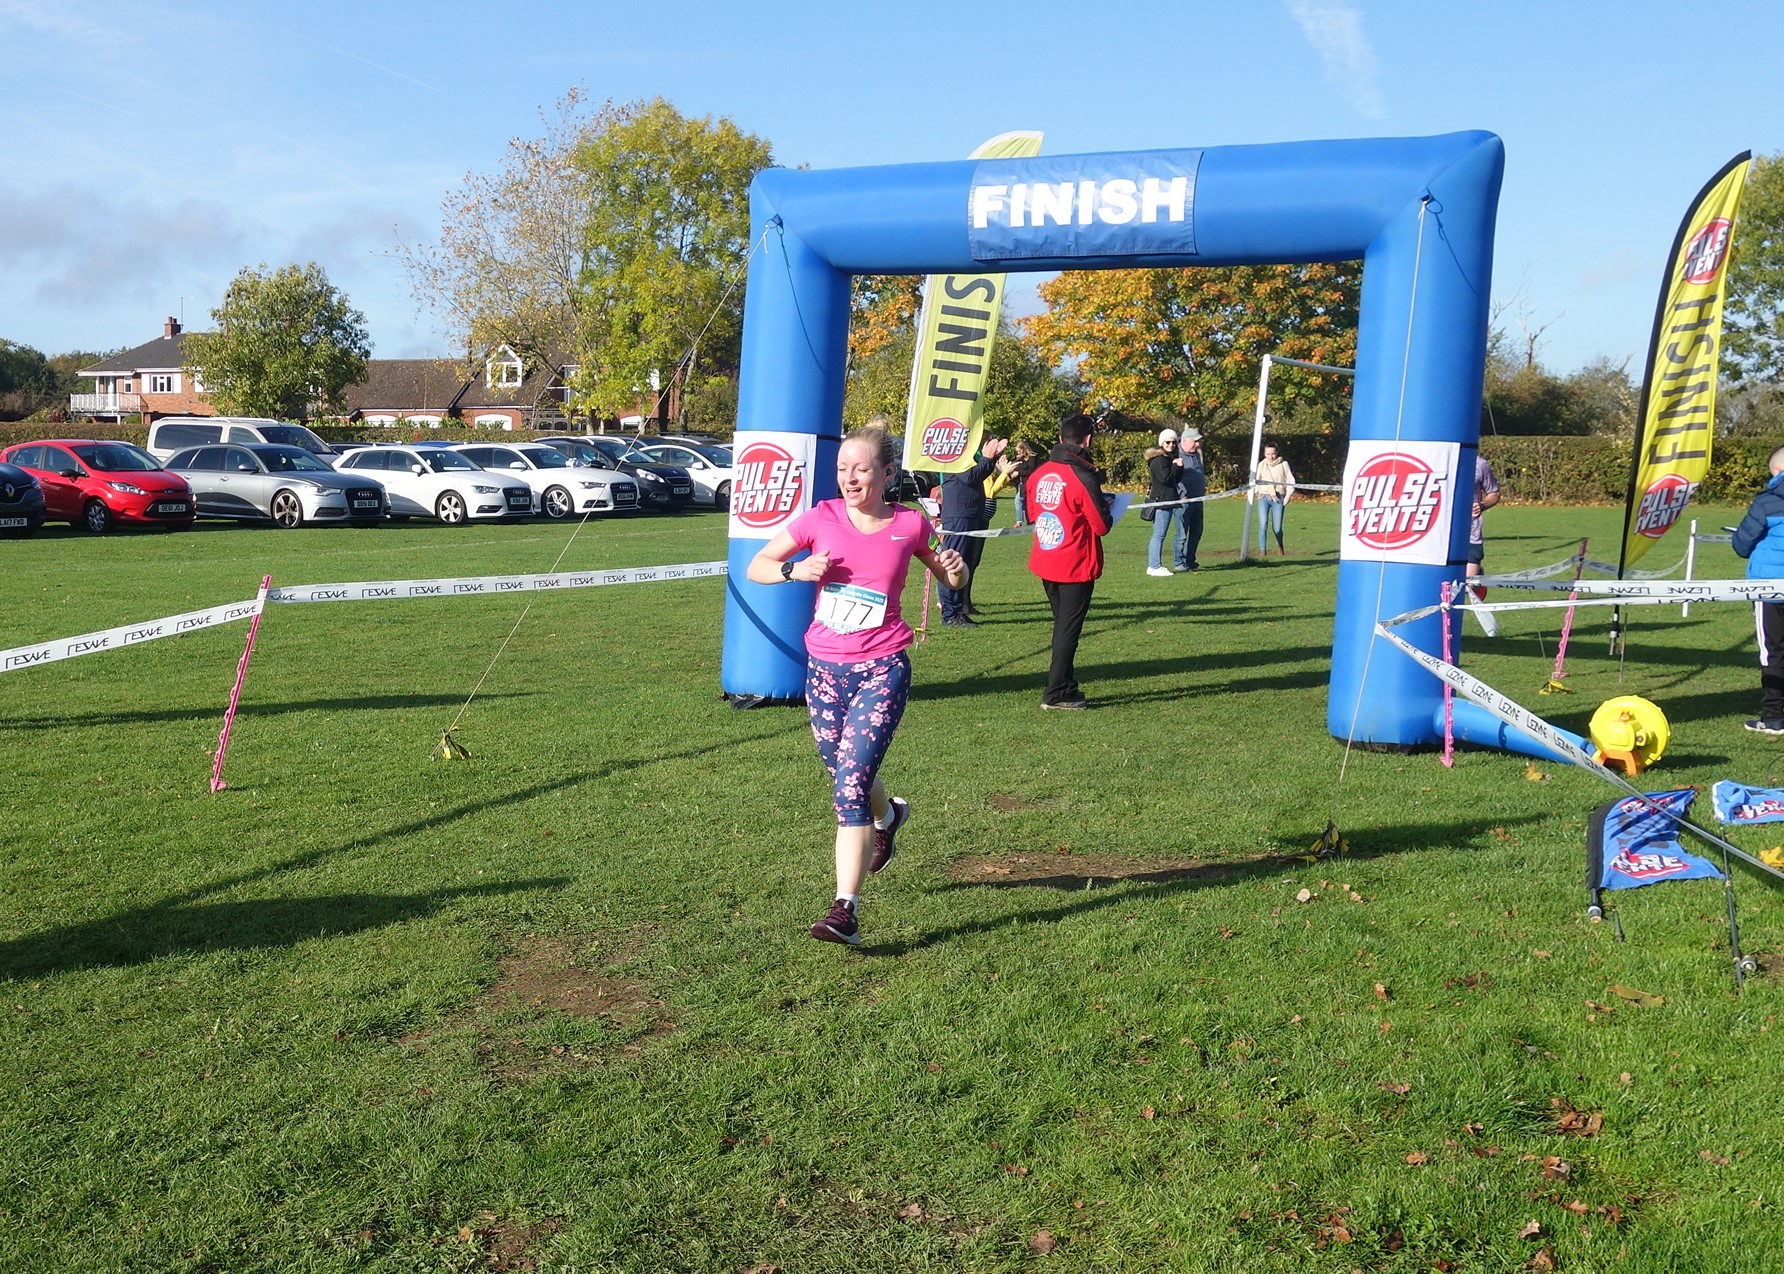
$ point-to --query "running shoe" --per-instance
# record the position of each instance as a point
(1773, 727)
(839, 925)
(885, 839)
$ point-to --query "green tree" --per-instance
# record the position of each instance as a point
(286, 345)
(1186, 343)
(1753, 320)
(667, 237)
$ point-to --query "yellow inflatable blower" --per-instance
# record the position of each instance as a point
(1629, 732)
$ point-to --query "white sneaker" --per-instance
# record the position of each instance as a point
(1158, 570)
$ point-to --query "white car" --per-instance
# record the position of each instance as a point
(561, 487)
(437, 482)
(709, 467)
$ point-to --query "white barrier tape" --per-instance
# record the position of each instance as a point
(1706, 590)
(1714, 539)
(1605, 568)
(1535, 572)
(48, 652)
(492, 585)
(1197, 499)
(1514, 714)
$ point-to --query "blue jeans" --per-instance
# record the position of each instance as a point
(1162, 522)
(1269, 511)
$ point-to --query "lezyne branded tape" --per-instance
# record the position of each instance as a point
(49, 652)
(492, 585)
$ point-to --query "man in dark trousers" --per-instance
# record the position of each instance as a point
(963, 509)
(1065, 501)
(1760, 539)
(1192, 484)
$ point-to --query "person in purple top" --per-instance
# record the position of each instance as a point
(858, 672)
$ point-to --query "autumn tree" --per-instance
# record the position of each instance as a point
(1022, 393)
(615, 243)
(1186, 343)
(882, 307)
(1753, 319)
(287, 344)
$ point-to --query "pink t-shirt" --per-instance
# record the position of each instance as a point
(866, 572)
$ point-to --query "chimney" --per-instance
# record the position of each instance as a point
(171, 327)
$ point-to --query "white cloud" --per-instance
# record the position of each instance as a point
(1335, 31)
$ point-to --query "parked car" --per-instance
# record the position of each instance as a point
(177, 433)
(99, 485)
(288, 486)
(437, 482)
(21, 502)
(708, 468)
(561, 486)
(663, 486)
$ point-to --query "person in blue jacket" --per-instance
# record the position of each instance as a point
(1760, 539)
(963, 509)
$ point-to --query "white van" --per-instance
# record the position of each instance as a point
(175, 433)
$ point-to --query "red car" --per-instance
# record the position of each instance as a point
(99, 484)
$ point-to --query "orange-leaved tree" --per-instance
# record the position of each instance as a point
(1186, 343)
(881, 308)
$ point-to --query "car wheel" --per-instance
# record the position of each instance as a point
(288, 510)
(96, 517)
(721, 499)
(556, 503)
(450, 508)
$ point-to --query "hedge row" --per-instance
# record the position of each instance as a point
(1530, 469)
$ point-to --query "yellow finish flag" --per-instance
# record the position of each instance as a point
(956, 333)
(1676, 419)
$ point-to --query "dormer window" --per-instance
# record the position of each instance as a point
(503, 369)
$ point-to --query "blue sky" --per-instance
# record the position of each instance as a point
(148, 151)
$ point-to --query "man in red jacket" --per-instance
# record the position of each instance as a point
(1065, 501)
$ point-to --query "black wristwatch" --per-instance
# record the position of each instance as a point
(787, 569)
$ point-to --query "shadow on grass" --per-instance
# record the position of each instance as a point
(1102, 680)
(368, 703)
(1091, 891)
(179, 928)
(181, 923)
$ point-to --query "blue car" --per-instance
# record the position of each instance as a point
(21, 502)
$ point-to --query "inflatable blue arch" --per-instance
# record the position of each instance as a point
(1419, 212)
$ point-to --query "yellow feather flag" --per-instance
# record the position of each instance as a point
(1677, 416)
(956, 332)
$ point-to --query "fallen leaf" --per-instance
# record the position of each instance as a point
(1555, 1168)
(1710, 1156)
(1626, 1078)
(1474, 1130)
(1532, 773)
(1576, 1207)
(1540, 955)
(1543, 1260)
(1381, 992)
(1417, 1157)
(1643, 998)
(1386, 1027)
(1305, 895)
(1530, 1230)
(933, 1067)
(1400, 1089)
(1146, 1112)
(1042, 1243)
(911, 1212)
(1773, 857)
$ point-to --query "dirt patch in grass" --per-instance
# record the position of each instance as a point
(1066, 870)
(541, 983)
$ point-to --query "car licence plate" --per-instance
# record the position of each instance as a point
(12, 522)
(168, 509)
(682, 490)
(365, 504)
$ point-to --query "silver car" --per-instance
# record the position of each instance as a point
(287, 486)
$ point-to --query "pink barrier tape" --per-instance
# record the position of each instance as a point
(1567, 623)
(235, 695)
(1449, 694)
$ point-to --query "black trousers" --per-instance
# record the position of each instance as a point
(1070, 603)
(972, 548)
(1770, 616)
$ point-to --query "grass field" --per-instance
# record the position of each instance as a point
(555, 1008)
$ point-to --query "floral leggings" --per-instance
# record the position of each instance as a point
(854, 709)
